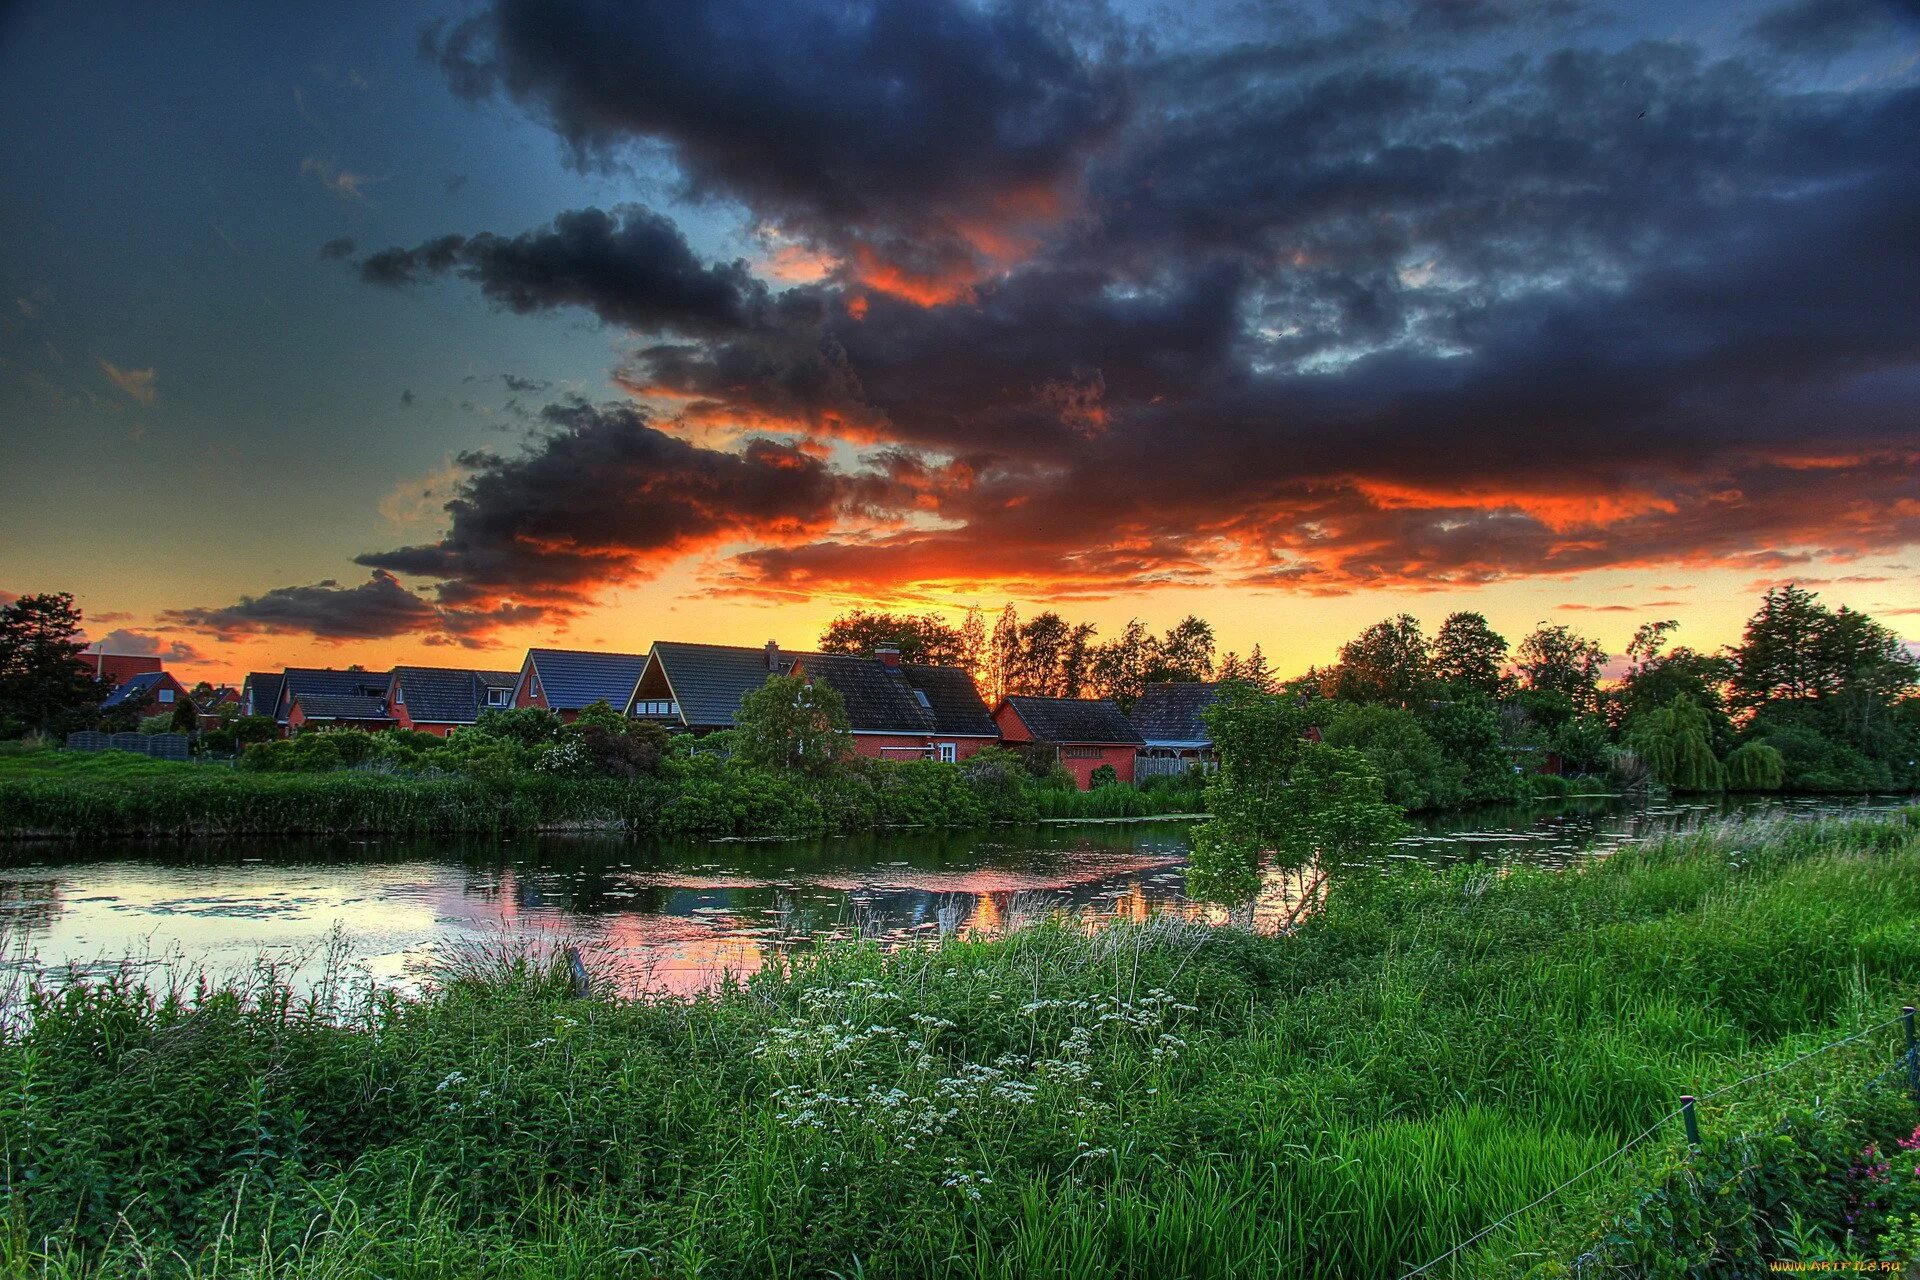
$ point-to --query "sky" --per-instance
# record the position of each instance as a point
(424, 333)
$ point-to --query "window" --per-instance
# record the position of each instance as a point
(656, 707)
(948, 752)
(497, 697)
(399, 696)
(1080, 753)
(166, 695)
(920, 696)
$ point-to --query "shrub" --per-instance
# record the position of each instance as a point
(1105, 776)
(1756, 767)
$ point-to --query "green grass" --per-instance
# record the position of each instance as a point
(1147, 1101)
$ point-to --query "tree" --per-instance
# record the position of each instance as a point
(1277, 795)
(1557, 660)
(1389, 662)
(1004, 654)
(970, 653)
(44, 686)
(1469, 656)
(1122, 666)
(1185, 652)
(920, 637)
(1675, 743)
(1041, 663)
(1756, 767)
(1252, 670)
(789, 725)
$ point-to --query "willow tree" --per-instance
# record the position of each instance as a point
(1279, 797)
(1676, 741)
(1756, 767)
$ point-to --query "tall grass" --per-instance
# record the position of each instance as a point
(1425, 1056)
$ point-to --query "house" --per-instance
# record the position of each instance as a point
(147, 693)
(568, 680)
(438, 700)
(260, 693)
(321, 697)
(699, 686)
(1083, 733)
(210, 707)
(115, 669)
(1170, 717)
(904, 710)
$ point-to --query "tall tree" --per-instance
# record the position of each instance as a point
(1076, 665)
(919, 637)
(44, 686)
(971, 652)
(1556, 660)
(1185, 652)
(789, 725)
(1469, 656)
(1389, 662)
(1004, 654)
(1122, 665)
(1795, 649)
(1044, 640)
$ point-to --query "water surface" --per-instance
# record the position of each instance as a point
(676, 916)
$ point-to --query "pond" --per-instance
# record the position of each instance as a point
(676, 917)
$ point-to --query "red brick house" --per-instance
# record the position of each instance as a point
(904, 710)
(148, 693)
(1084, 733)
(567, 681)
(115, 669)
(438, 700)
(323, 698)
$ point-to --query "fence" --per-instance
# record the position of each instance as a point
(1688, 1114)
(1145, 767)
(161, 746)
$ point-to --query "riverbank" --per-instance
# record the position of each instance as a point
(1430, 1053)
(65, 795)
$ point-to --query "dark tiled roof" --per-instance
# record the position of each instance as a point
(343, 706)
(441, 695)
(884, 699)
(574, 678)
(954, 700)
(1074, 720)
(138, 688)
(313, 687)
(265, 688)
(1170, 713)
(708, 680)
(498, 679)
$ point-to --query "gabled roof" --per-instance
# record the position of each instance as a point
(498, 679)
(343, 706)
(443, 695)
(138, 688)
(708, 680)
(1168, 714)
(902, 698)
(1083, 720)
(315, 688)
(574, 678)
(265, 688)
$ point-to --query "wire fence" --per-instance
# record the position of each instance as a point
(1686, 1111)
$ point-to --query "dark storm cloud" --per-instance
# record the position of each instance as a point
(605, 496)
(631, 267)
(1828, 28)
(340, 248)
(375, 609)
(888, 115)
(1382, 304)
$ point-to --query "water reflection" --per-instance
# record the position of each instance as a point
(677, 916)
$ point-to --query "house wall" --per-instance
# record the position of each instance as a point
(524, 694)
(153, 706)
(1120, 757)
(907, 746)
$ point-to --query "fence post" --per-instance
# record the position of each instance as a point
(1692, 1122)
(1913, 1054)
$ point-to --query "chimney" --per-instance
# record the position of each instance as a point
(889, 655)
(773, 656)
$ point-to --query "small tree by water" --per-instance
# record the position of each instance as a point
(789, 725)
(1676, 743)
(1277, 795)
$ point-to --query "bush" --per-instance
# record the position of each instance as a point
(1105, 776)
(1756, 767)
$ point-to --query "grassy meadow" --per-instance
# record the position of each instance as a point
(1429, 1054)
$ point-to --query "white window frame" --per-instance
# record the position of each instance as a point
(166, 695)
(949, 752)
